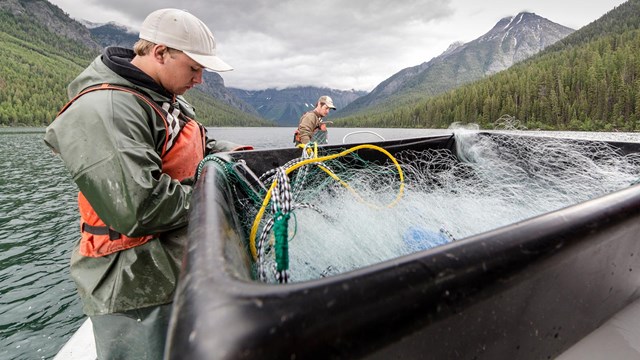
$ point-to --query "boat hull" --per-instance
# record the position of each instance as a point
(528, 290)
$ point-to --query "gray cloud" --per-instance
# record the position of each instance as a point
(338, 44)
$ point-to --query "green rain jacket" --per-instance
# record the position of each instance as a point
(110, 142)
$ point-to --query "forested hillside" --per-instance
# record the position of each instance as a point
(33, 74)
(37, 64)
(590, 81)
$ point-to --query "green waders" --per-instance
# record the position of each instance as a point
(137, 334)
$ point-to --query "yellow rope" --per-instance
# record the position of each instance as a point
(256, 222)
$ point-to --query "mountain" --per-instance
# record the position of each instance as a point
(511, 40)
(585, 81)
(51, 17)
(43, 49)
(286, 106)
(112, 34)
(213, 84)
(588, 81)
(38, 60)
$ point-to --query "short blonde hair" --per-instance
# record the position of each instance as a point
(143, 47)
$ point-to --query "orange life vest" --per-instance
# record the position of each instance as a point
(186, 140)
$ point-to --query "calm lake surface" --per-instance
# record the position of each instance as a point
(39, 307)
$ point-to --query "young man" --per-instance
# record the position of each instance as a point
(131, 144)
(311, 126)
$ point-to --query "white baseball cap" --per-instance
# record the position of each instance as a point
(180, 30)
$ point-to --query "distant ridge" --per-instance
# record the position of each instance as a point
(286, 106)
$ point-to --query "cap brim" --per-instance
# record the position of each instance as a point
(209, 62)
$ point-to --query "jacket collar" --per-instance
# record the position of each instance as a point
(118, 59)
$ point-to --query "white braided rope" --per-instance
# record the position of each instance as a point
(281, 193)
(283, 199)
(262, 249)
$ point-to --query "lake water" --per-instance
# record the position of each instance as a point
(39, 308)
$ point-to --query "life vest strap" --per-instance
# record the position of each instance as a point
(101, 230)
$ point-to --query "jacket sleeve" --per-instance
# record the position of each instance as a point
(306, 127)
(215, 146)
(108, 142)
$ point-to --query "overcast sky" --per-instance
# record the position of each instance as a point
(348, 44)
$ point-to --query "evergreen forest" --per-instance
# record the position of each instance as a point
(589, 81)
(36, 65)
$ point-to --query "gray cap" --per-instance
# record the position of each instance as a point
(327, 101)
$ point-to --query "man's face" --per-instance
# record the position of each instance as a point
(180, 73)
(324, 110)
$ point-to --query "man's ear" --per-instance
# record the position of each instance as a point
(159, 51)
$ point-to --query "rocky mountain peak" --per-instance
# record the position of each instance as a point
(512, 39)
(452, 48)
(516, 38)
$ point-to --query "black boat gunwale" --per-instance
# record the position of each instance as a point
(527, 290)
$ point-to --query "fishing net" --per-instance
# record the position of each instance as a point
(325, 214)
